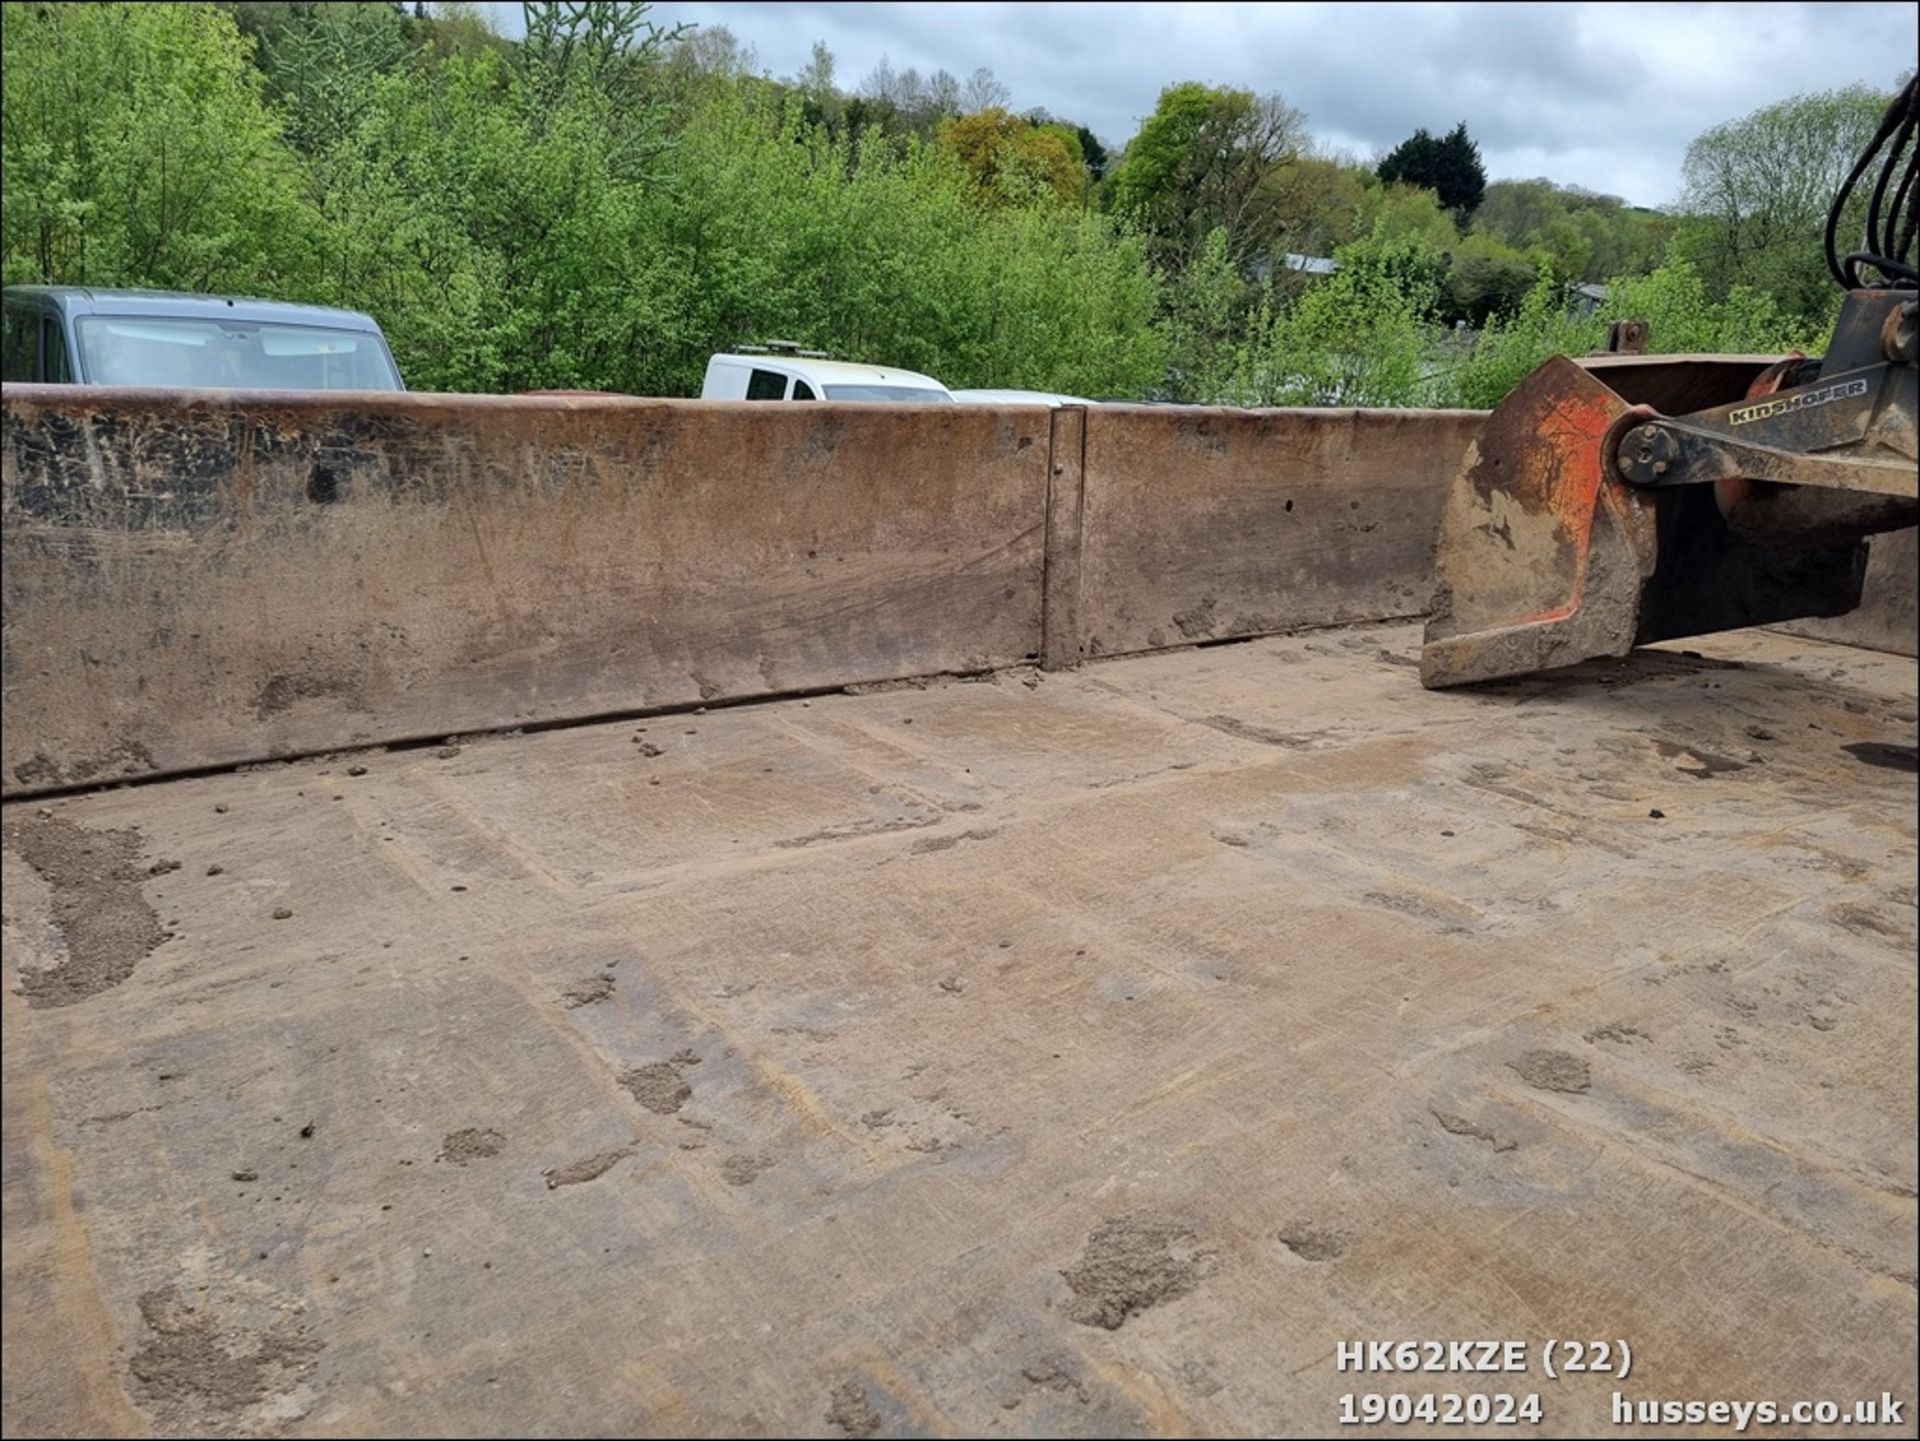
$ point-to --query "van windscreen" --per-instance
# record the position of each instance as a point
(231, 355)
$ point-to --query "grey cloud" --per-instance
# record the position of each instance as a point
(1602, 95)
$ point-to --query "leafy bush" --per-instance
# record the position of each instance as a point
(1487, 278)
(1510, 347)
(1672, 300)
(879, 250)
(1680, 316)
(1357, 338)
(1203, 321)
(137, 150)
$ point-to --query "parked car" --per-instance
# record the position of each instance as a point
(69, 334)
(781, 370)
(1016, 397)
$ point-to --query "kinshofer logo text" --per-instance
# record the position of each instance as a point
(1767, 409)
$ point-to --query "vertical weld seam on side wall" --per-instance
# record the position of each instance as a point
(1066, 504)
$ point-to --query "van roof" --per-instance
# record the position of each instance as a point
(827, 372)
(1017, 397)
(85, 300)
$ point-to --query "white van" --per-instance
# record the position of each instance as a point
(779, 371)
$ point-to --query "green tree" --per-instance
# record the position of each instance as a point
(494, 217)
(1511, 346)
(1683, 316)
(1081, 142)
(1449, 166)
(774, 227)
(1092, 152)
(137, 149)
(1407, 213)
(1568, 245)
(1486, 278)
(821, 102)
(1581, 234)
(710, 51)
(459, 27)
(320, 62)
(1205, 160)
(1463, 177)
(1757, 192)
(1011, 160)
(1319, 204)
(1516, 211)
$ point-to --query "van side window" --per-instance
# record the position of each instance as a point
(766, 385)
(802, 391)
(53, 353)
(19, 345)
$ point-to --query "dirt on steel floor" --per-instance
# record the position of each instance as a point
(105, 923)
(1087, 1055)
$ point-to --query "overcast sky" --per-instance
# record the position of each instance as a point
(1601, 95)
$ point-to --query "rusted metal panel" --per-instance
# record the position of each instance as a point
(1204, 524)
(1066, 504)
(198, 579)
(1676, 384)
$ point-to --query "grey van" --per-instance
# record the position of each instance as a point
(72, 335)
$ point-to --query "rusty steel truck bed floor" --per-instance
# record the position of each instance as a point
(1078, 1054)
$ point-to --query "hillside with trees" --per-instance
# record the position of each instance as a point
(603, 202)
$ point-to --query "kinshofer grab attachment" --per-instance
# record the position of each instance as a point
(1623, 499)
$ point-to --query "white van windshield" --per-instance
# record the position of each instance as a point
(888, 392)
(231, 355)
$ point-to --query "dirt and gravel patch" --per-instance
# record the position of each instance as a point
(1553, 1071)
(1618, 1031)
(200, 1375)
(1132, 1263)
(849, 1409)
(473, 1144)
(587, 1168)
(1457, 1125)
(97, 903)
(659, 1085)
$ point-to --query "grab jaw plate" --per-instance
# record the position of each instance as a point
(1543, 556)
